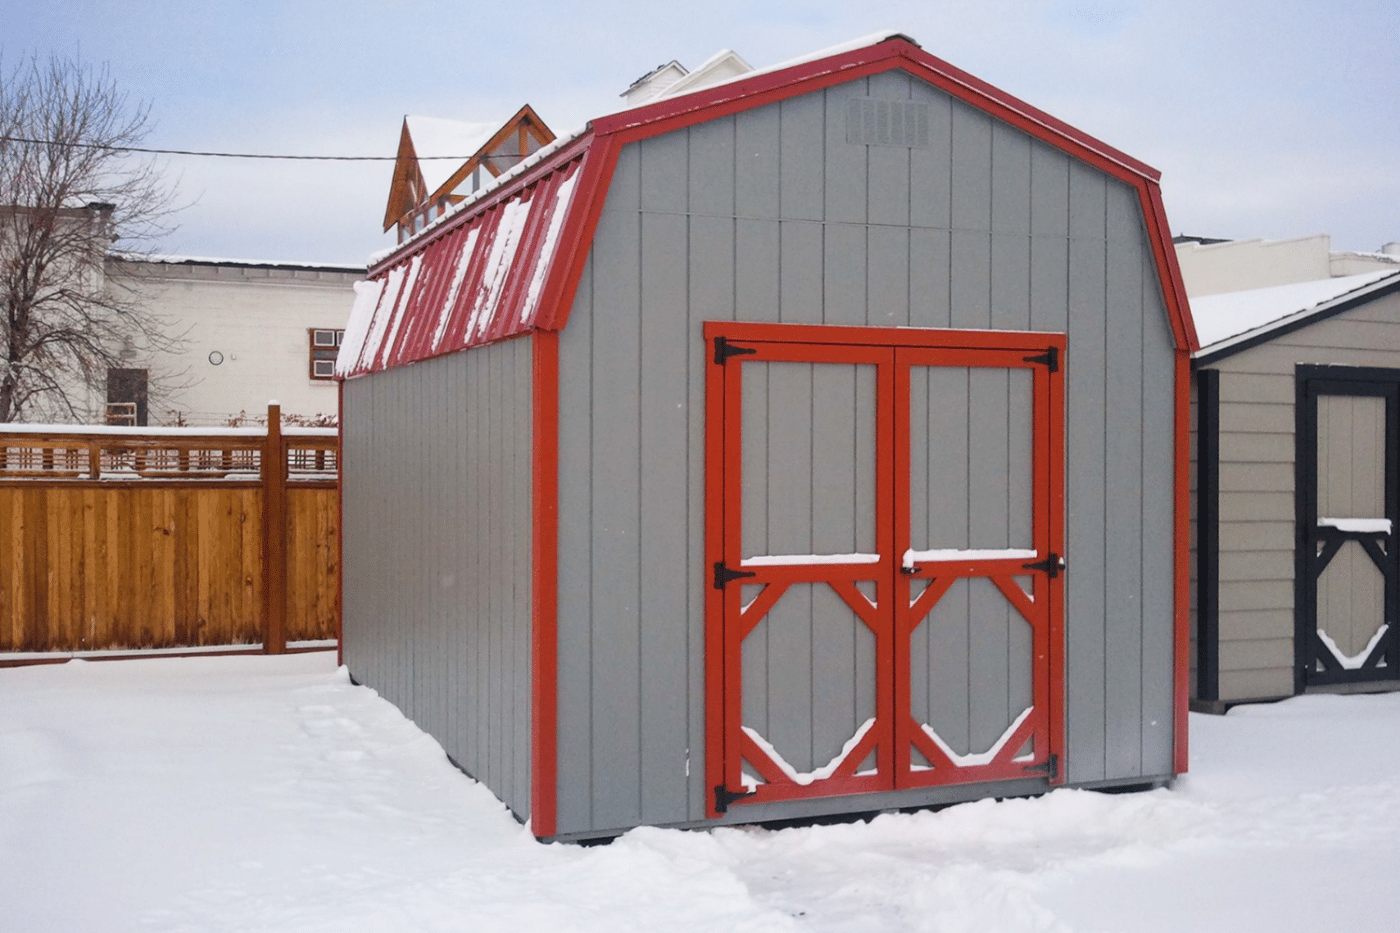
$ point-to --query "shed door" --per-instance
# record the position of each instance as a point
(885, 560)
(1349, 566)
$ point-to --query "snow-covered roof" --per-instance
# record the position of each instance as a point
(435, 137)
(1233, 317)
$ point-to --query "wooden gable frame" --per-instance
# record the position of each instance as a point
(524, 133)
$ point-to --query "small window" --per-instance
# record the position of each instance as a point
(325, 344)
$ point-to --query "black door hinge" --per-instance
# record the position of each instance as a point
(1050, 767)
(1050, 358)
(723, 575)
(724, 797)
(1051, 566)
(724, 350)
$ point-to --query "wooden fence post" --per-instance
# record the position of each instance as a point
(274, 479)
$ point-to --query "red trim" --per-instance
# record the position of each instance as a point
(576, 238)
(714, 553)
(340, 520)
(1055, 606)
(1169, 270)
(544, 749)
(1182, 594)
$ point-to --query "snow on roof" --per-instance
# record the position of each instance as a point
(479, 282)
(435, 137)
(1235, 315)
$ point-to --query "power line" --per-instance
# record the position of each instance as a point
(236, 155)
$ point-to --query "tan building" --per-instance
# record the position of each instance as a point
(1297, 487)
(1212, 267)
(249, 332)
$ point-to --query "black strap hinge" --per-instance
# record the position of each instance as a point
(1050, 358)
(724, 350)
(1050, 767)
(1051, 566)
(725, 576)
(724, 797)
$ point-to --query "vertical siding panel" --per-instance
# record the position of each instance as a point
(711, 297)
(970, 290)
(664, 173)
(756, 270)
(801, 160)
(800, 298)
(888, 277)
(845, 201)
(756, 162)
(971, 218)
(1085, 479)
(930, 170)
(844, 283)
(711, 168)
(1123, 463)
(930, 278)
(1010, 181)
(497, 574)
(664, 356)
(1049, 209)
(971, 154)
(1158, 551)
(615, 545)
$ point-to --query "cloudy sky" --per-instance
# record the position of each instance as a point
(1273, 119)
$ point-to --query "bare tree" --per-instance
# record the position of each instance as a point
(69, 190)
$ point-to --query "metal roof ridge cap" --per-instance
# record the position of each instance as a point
(562, 155)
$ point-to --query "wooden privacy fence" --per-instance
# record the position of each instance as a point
(123, 538)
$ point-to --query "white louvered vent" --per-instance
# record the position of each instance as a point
(872, 122)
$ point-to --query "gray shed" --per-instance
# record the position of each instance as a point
(806, 444)
(1297, 456)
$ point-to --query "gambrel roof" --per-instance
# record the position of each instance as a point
(508, 260)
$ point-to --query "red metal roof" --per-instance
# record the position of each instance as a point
(509, 262)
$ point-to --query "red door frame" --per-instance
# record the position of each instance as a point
(895, 350)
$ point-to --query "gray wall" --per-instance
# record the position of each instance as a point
(771, 215)
(1256, 488)
(437, 553)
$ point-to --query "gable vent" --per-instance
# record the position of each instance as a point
(872, 122)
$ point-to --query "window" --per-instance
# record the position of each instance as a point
(325, 344)
(126, 396)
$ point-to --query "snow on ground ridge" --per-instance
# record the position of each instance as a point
(269, 793)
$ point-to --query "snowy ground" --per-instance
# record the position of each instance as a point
(268, 794)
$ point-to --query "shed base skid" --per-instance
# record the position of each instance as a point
(864, 806)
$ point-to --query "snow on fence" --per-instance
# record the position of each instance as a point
(175, 538)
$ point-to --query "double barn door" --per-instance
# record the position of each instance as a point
(884, 530)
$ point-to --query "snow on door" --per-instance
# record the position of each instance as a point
(883, 539)
(1353, 579)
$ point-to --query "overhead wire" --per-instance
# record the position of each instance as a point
(235, 155)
